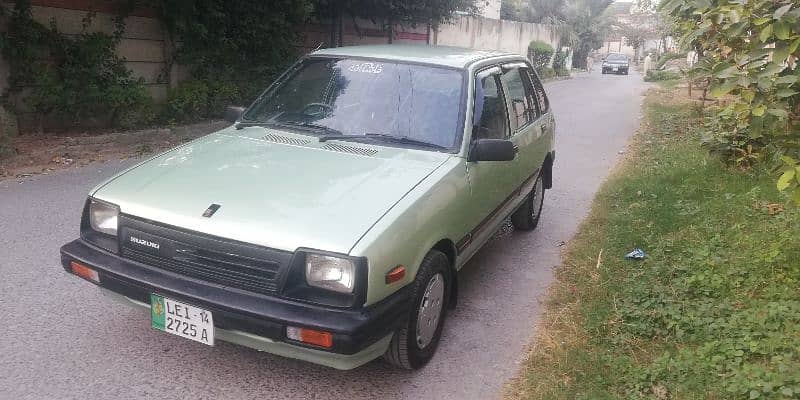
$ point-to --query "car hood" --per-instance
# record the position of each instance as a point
(299, 193)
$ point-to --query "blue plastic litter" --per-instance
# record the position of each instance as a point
(636, 254)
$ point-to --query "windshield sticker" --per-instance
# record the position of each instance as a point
(368, 67)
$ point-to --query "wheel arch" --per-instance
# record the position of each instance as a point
(447, 247)
(547, 170)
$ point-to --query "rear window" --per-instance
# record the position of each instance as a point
(617, 57)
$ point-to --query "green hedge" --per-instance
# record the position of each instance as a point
(655, 75)
(540, 54)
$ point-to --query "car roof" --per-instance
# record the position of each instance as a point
(457, 57)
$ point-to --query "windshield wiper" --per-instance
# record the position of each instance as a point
(385, 137)
(245, 124)
(306, 126)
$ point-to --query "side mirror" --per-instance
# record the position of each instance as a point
(233, 113)
(492, 150)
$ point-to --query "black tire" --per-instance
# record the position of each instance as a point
(525, 219)
(404, 351)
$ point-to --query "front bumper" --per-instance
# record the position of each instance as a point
(253, 320)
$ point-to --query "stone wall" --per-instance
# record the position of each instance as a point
(142, 44)
(147, 49)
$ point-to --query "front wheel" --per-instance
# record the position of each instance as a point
(414, 345)
(526, 218)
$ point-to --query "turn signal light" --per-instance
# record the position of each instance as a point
(397, 273)
(84, 272)
(310, 336)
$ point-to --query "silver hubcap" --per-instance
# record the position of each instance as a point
(430, 310)
(538, 195)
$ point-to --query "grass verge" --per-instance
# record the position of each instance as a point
(713, 312)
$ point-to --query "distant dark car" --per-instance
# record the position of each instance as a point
(616, 63)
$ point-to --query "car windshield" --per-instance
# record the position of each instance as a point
(616, 57)
(374, 99)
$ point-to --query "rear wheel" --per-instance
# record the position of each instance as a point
(526, 218)
(414, 345)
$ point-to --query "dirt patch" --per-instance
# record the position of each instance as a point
(41, 154)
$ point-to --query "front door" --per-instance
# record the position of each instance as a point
(492, 183)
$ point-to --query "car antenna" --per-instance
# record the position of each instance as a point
(319, 46)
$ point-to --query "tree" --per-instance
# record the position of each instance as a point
(636, 35)
(579, 24)
(585, 28)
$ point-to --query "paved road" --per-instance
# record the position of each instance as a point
(62, 339)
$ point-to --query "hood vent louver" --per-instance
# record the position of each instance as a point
(271, 137)
(360, 151)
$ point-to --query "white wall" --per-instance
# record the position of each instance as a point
(492, 34)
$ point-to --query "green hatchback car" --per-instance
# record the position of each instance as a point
(329, 221)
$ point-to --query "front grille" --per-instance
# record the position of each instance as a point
(203, 257)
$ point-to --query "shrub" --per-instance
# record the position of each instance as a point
(655, 75)
(222, 94)
(546, 73)
(189, 101)
(749, 52)
(539, 53)
(559, 63)
(195, 99)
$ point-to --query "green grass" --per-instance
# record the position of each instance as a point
(669, 83)
(714, 310)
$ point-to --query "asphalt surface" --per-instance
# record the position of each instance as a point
(62, 339)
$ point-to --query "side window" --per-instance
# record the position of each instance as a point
(541, 97)
(520, 107)
(530, 93)
(493, 123)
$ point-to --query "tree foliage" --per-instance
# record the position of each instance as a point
(245, 42)
(749, 51)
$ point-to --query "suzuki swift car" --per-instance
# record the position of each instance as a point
(329, 221)
(616, 63)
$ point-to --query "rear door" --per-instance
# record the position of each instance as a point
(538, 138)
(525, 124)
(545, 121)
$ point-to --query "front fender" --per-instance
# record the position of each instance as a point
(427, 215)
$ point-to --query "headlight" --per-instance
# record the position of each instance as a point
(332, 273)
(103, 217)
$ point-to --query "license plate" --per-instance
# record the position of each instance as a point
(615, 69)
(182, 319)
